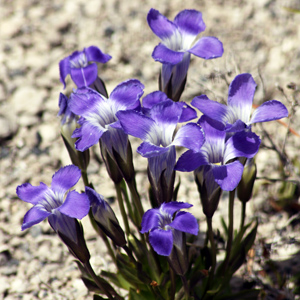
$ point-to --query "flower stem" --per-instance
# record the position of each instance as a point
(212, 247)
(126, 197)
(173, 284)
(186, 287)
(122, 208)
(230, 229)
(96, 228)
(243, 215)
(103, 236)
(136, 199)
(84, 177)
(102, 287)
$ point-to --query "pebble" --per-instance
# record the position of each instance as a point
(8, 127)
(28, 99)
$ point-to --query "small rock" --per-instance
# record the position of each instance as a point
(48, 133)
(28, 120)
(28, 99)
(8, 127)
(4, 285)
(18, 285)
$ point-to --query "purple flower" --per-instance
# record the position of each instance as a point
(156, 128)
(178, 42)
(98, 116)
(213, 157)
(51, 202)
(80, 68)
(236, 115)
(166, 225)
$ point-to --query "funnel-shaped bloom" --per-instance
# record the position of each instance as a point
(51, 201)
(178, 43)
(236, 115)
(98, 116)
(81, 67)
(213, 157)
(164, 224)
(156, 129)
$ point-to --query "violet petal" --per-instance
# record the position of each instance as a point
(190, 22)
(172, 207)
(165, 55)
(84, 77)
(160, 25)
(269, 111)
(161, 241)
(212, 109)
(93, 53)
(76, 205)
(240, 95)
(65, 178)
(34, 216)
(190, 136)
(64, 70)
(188, 113)
(32, 194)
(228, 176)
(150, 150)
(185, 222)
(207, 47)
(190, 161)
(150, 220)
(126, 95)
(138, 125)
(154, 98)
(241, 144)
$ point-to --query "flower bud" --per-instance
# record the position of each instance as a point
(71, 233)
(105, 218)
(245, 187)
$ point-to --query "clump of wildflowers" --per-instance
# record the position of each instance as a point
(160, 258)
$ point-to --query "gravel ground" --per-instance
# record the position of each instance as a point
(260, 37)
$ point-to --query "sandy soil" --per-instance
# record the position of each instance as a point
(259, 36)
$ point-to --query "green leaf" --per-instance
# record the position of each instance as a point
(176, 189)
(238, 256)
(130, 272)
(141, 295)
(117, 279)
(224, 225)
(89, 281)
(138, 248)
(215, 290)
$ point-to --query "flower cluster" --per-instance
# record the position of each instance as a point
(217, 146)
